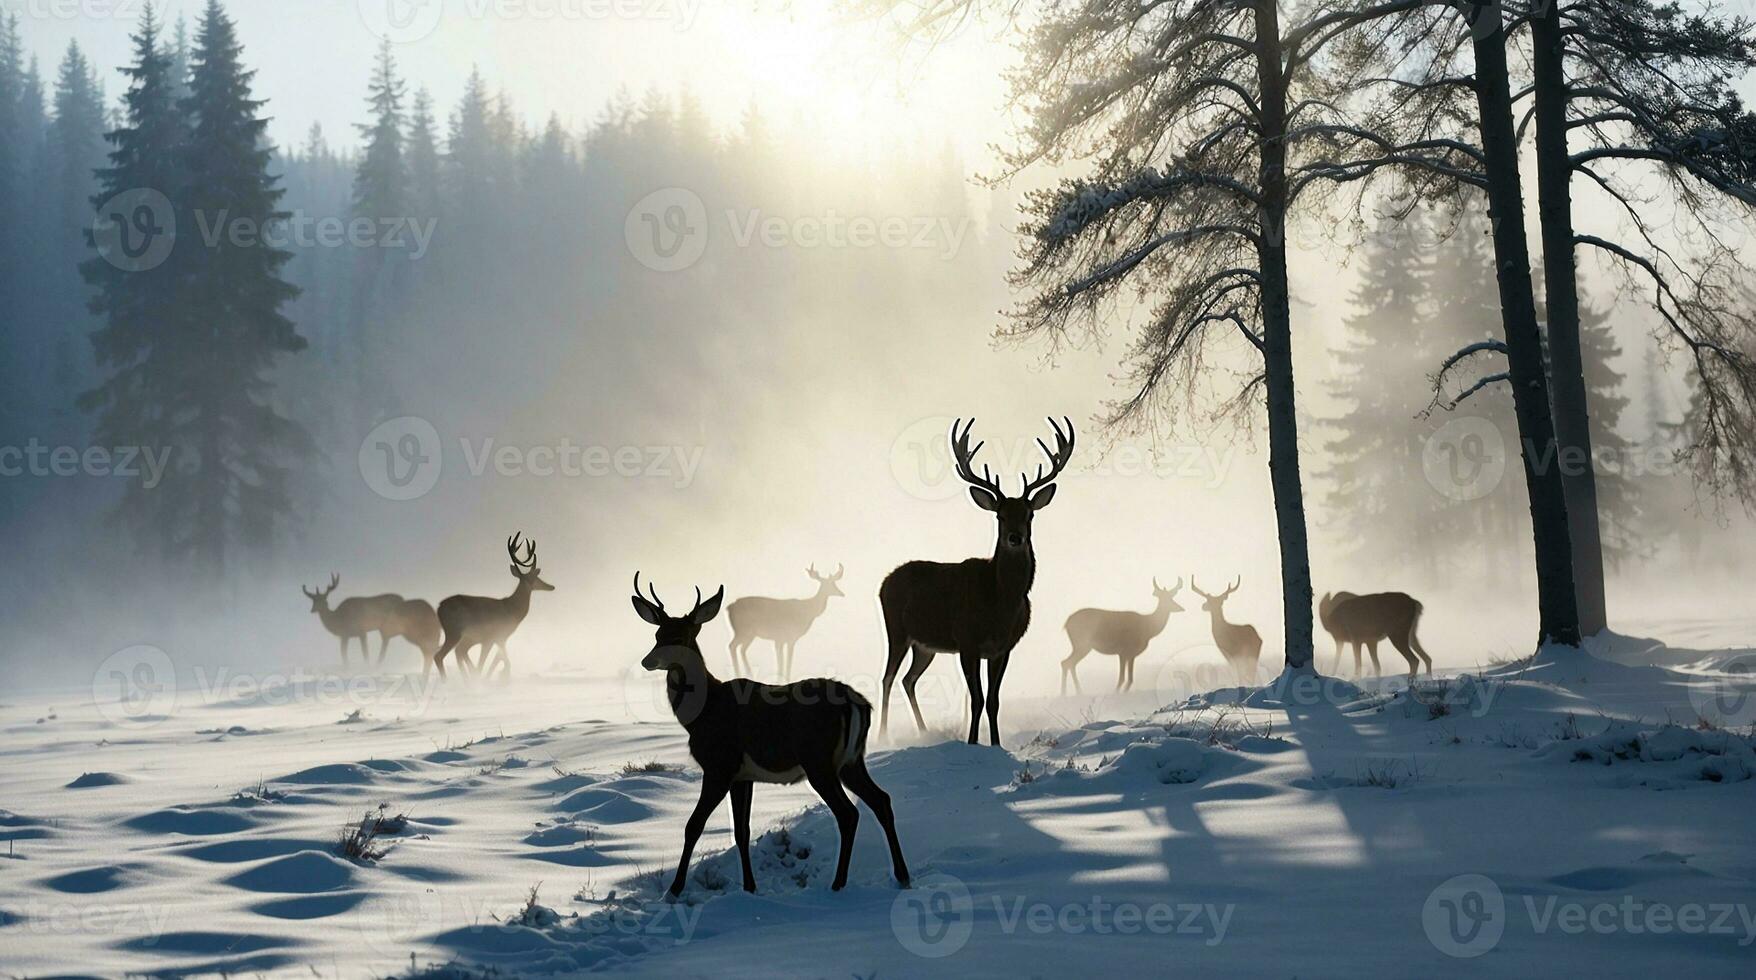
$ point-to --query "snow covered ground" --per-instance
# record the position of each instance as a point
(1567, 815)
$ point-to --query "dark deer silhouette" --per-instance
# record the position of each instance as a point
(1239, 642)
(353, 618)
(1368, 619)
(782, 620)
(1123, 635)
(743, 732)
(977, 608)
(480, 621)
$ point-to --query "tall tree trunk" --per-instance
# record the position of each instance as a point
(1561, 290)
(1277, 346)
(1557, 601)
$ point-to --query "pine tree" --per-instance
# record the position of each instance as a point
(179, 55)
(244, 448)
(423, 159)
(146, 347)
(381, 178)
(77, 137)
(1369, 463)
(13, 142)
(469, 158)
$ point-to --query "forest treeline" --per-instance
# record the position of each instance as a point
(411, 260)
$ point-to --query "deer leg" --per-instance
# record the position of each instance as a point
(892, 660)
(741, 828)
(996, 673)
(1070, 668)
(847, 818)
(438, 657)
(713, 790)
(1372, 648)
(1415, 643)
(1335, 668)
(1414, 665)
(855, 777)
(791, 646)
(1131, 660)
(1357, 668)
(383, 643)
(732, 652)
(972, 678)
(918, 666)
(344, 653)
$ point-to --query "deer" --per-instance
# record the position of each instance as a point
(743, 732)
(1240, 643)
(415, 621)
(354, 617)
(1123, 635)
(1368, 619)
(481, 621)
(781, 620)
(978, 608)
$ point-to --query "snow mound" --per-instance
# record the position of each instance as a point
(1713, 756)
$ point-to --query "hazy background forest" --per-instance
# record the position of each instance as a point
(789, 388)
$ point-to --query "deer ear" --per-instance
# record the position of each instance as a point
(1043, 497)
(646, 611)
(709, 609)
(984, 499)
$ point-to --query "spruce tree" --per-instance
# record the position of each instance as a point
(145, 347)
(1369, 464)
(244, 447)
(380, 180)
(423, 159)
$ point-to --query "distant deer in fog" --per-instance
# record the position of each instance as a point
(388, 614)
(1368, 619)
(1123, 635)
(1241, 644)
(781, 620)
(479, 621)
(978, 608)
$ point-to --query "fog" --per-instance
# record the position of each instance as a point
(779, 401)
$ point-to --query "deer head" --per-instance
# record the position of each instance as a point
(1013, 513)
(524, 567)
(826, 583)
(674, 644)
(1215, 603)
(1168, 597)
(320, 597)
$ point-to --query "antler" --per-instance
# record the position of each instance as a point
(1057, 459)
(1234, 586)
(1174, 589)
(962, 455)
(1196, 587)
(660, 603)
(838, 573)
(530, 555)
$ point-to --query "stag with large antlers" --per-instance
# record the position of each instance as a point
(481, 621)
(743, 732)
(1123, 635)
(782, 620)
(978, 608)
(1239, 643)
